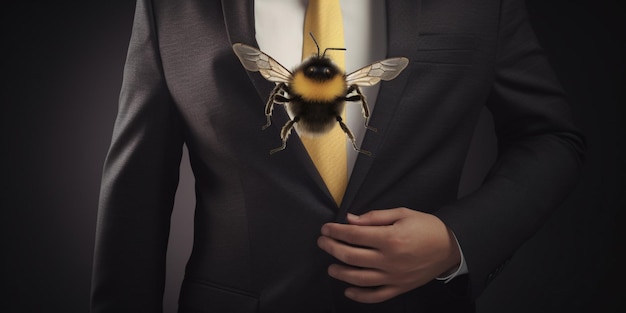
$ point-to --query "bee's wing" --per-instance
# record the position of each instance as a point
(254, 60)
(382, 70)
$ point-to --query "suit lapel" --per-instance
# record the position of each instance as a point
(239, 20)
(402, 28)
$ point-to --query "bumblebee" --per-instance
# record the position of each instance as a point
(314, 94)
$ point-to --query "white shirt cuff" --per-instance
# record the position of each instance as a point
(462, 269)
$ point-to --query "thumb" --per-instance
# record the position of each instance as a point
(378, 217)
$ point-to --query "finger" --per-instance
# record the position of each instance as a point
(362, 277)
(372, 294)
(378, 217)
(365, 236)
(351, 255)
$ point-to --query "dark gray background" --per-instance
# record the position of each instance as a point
(62, 69)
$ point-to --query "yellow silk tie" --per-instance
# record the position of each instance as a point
(328, 152)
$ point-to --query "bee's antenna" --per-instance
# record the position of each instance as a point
(318, 47)
(315, 41)
(343, 49)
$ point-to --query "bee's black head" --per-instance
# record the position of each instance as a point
(320, 69)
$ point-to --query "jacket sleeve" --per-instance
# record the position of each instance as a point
(539, 154)
(139, 183)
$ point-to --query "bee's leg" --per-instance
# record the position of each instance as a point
(284, 134)
(346, 130)
(364, 107)
(275, 97)
(279, 99)
(269, 106)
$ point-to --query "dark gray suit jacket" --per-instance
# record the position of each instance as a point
(258, 216)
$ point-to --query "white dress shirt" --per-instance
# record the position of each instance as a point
(279, 33)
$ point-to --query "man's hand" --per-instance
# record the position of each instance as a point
(389, 252)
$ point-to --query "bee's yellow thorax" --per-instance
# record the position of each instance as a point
(312, 90)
